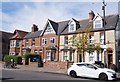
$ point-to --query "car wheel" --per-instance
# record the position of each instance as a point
(73, 74)
(103, 76)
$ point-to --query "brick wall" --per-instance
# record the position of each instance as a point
(56, 65)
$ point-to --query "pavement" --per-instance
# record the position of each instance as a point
(42, 69)
(36, 68)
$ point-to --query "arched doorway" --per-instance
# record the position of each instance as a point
(109, 56)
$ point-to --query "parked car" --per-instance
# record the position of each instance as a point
(91, 71)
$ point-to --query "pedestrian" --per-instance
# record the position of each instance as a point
(12, 63)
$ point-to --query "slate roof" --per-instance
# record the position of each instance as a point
(62, 25)
(20, 33)
(54, 25)
(33, 34)
(111, 22)
(58, 26)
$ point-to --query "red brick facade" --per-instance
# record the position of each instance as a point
(15, 42)
(32, 48)
(56, 65)
(56, 45)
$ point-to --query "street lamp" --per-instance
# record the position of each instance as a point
(103, 8)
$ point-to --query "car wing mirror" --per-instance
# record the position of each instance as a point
(95, 68)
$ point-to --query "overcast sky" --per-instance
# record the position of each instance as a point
(22, 14)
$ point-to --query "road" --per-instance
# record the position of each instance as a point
(32, 75)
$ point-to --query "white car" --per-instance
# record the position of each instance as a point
(91, 71)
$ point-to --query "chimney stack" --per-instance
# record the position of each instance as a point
(91, 15)
(34, 28)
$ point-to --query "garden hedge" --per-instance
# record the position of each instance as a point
(29, 55)
(9, 57)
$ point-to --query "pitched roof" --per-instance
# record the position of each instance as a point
(18, 34)
(33, 34)
(75, 20)
(57, 26)
(54, 25)
(61, 26)
(111, 22)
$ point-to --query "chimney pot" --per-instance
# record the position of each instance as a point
(34, 28)
(91, 15)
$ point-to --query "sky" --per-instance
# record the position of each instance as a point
(22, 14)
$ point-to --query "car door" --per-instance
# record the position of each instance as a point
(91, 71)
(80, 69)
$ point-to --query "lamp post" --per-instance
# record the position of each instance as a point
(103, 9)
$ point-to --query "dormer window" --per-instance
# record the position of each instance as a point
(72, 28)
(98, 22)
(73, 25)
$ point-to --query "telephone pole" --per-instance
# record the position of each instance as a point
(103, 9)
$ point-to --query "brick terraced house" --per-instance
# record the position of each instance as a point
(96, 36)
(15, 42)
(32, 41)
(50, 39)
(52, 42)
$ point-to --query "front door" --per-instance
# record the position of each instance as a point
(52, 55)
(80, 58)
(110, 58)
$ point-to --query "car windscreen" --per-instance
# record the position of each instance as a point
(99, 65)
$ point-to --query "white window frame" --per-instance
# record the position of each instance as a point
(52, 40)
(44, 41)
(101, 38)
(66, 39)
(71, 27)
(48, 55)
(98, 22)
(91, 38)
(33, 42)
(12, 53)
(65, 56)
(17, 43)
(91, 57)
(27, 43)
(35, 52)
(12, 43)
